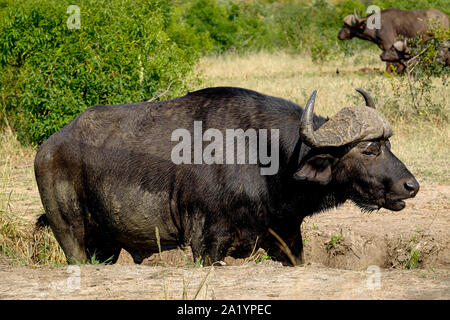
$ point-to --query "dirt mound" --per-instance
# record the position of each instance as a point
(356, 242)
(417, 237)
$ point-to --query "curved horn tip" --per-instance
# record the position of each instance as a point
(369, 101)
(312, 99)
(306, 122)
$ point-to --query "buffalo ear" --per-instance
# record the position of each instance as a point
(354, 21)
(350, 20)
(316, 169)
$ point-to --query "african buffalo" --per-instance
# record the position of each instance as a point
(394, 24)
(398, 55)
(107, 180)
(400, 52)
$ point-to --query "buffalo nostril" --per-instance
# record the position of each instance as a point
(412, 186)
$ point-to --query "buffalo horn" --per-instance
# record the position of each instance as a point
(367, 97)
(306, 125)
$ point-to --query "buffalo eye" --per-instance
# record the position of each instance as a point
(372, 149)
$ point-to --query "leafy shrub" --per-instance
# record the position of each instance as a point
(228, 25)
(442, 5)
(130, 51)
(295, 25)
(125, 51)
(310, 26)
(428, 57)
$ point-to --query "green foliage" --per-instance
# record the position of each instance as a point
(263, 257)
(292, 25)
(125, 51)
(442, 5)
(94, 260)
(227, 25)
(295, 25)
(414, 258)
(413, 262)
(197, 264)
(408, 98)
(133, 50)
(334, 241)
(428, 56)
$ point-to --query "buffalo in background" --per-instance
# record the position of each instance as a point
(400, 52)
(395, 24)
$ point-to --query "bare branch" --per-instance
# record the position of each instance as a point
(161, 94)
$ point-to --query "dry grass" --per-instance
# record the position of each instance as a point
(294, 77)
(423, 146)
(19, 207)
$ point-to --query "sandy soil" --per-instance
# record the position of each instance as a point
(262, 281)
(349, 254)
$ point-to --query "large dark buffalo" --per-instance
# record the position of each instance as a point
(394, 24)
(107, 179)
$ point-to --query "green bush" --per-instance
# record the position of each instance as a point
(442, 5)
(428, 56)
(133, 50)
(295, 25)
(125, 51)
(311, 26)
(228, 25)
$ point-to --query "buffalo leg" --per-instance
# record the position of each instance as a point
(64, 216)
(70, 239)
(214, 243)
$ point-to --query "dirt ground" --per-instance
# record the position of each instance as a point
(262, 281)
(349, 255)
